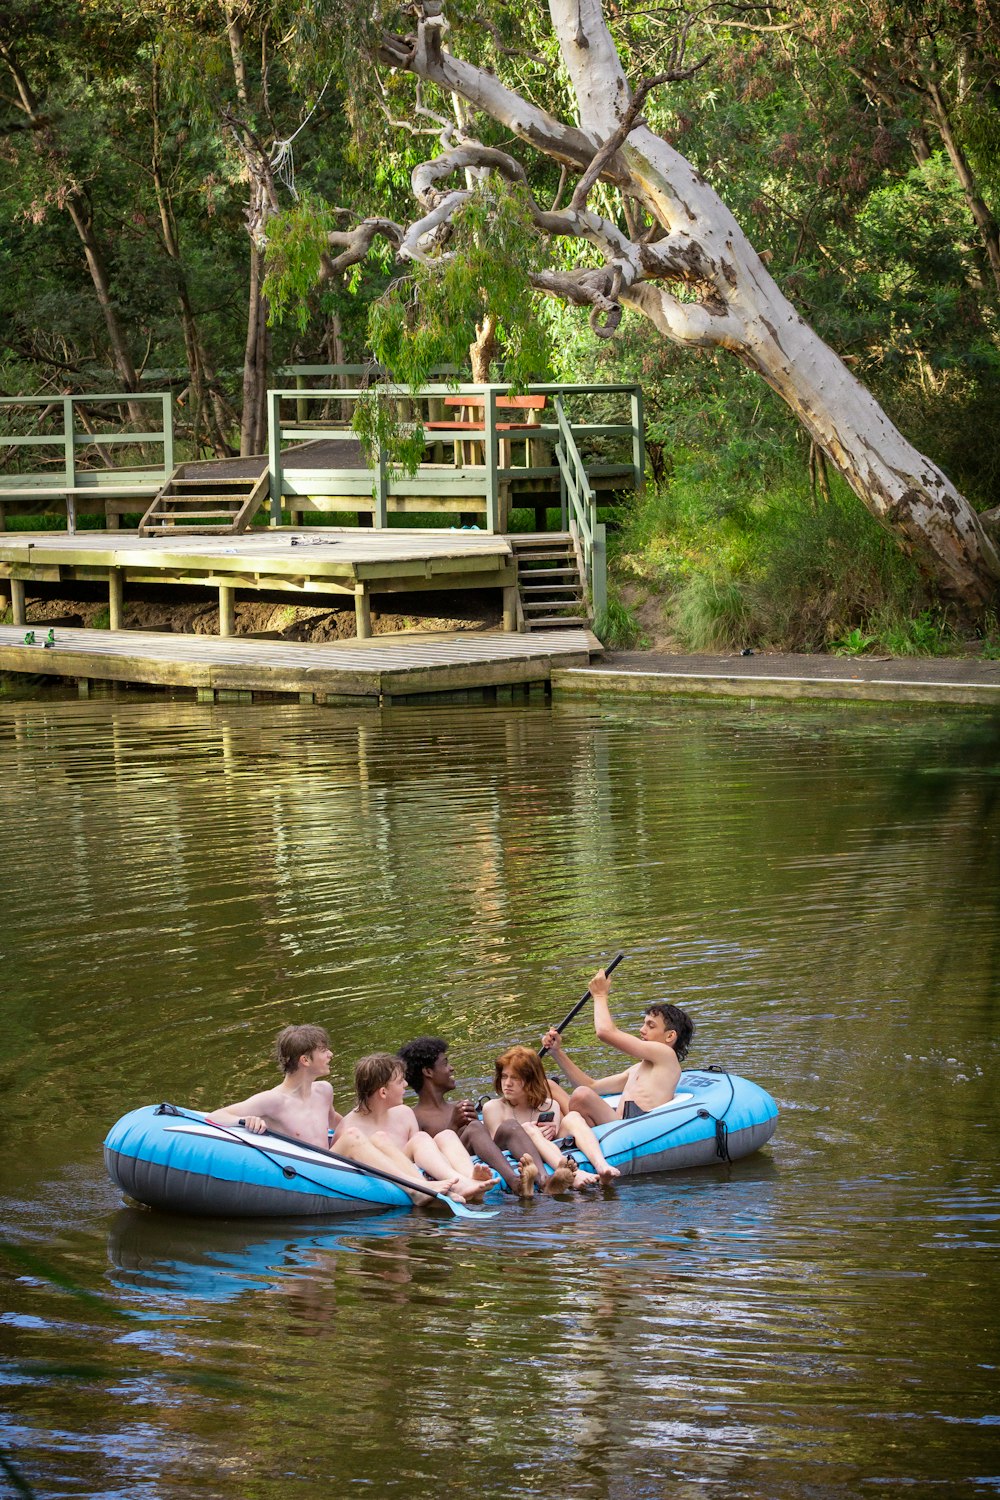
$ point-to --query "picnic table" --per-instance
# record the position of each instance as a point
(469, 428)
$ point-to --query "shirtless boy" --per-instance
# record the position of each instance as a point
(382, 1118)
(662, 1043)
(430, 1075)
(301, 1105)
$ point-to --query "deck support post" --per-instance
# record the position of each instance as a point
(227, 609)
(17, 602)
(274, 454)
(510, 608)
(363, 611)
(493, 520)
(116, 598)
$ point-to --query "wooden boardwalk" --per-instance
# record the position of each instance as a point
(355, 561)
(378, 670)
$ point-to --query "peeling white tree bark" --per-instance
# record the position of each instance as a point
(701, 284)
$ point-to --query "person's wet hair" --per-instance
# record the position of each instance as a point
(295, 1042)
(677, 1020)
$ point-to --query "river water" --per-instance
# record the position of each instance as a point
(818, 886)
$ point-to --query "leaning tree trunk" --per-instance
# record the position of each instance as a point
(742, 309)
(700, 282)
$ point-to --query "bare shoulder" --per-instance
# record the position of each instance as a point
(402, 1117)
(321, 1089)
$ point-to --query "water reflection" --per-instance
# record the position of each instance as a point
(180, 880)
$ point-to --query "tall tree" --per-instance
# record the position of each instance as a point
(666, 246)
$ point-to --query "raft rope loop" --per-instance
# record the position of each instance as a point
(286, 1171)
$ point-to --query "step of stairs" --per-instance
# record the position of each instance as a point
(204, 504)
(548, 578)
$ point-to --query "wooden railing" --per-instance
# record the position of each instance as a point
(67, 478)
(580, 513)
(485, 480)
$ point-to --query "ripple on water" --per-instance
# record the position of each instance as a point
(181, 880)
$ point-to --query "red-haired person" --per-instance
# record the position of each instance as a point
(660, 1047)
(529, 1102)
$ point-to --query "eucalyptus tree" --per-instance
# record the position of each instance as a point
(660, 241)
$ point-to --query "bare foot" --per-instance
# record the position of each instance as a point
(473, 1189)
(562, 1179)
(585, 1179)
(607, 1174)
(482, 1173)
(445, 1185)
(528, 1171)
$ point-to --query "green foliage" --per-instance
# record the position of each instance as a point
(429, 318)
(928, 634)
(854, 643)
(713, 611)
(296, 240)
(381, 429)
(617, 626)
(760, 561)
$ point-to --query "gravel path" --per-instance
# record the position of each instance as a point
(927, 669)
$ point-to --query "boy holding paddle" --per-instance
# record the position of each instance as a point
(662, 1043)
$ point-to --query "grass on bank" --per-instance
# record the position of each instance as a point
(761, 561)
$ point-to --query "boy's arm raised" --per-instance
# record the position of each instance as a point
(607, 1031)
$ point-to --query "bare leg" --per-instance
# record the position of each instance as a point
(547, 1150)
(458, 1158)
(576, 1126)
(588, 1103)
(425, 1152)
(514, 1138)
(477, 1140)
(370, 1153)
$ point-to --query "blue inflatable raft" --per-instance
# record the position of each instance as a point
(178, 1160)
(713, 1117)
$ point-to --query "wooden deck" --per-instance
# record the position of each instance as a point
(380, 670)
(352, 560)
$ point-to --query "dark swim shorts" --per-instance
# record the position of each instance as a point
(632, 1111)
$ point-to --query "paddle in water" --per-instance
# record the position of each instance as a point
(609, 970)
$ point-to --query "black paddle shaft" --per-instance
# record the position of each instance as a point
(609, 970)
(460, 1210)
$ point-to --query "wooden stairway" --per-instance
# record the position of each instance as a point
(199, 506)
(551, 587)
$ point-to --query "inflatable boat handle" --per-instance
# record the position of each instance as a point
(608, 969)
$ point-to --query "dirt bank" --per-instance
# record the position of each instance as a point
(282, 621)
